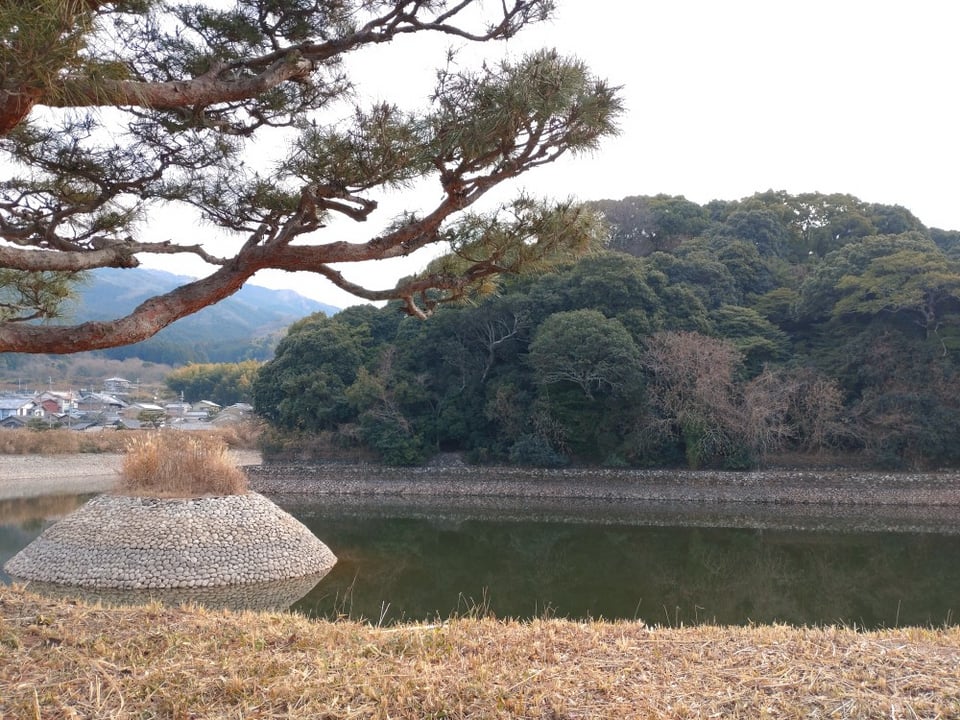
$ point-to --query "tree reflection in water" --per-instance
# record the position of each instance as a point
(422, 559)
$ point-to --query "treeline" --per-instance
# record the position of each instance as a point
(222, 383)
(715, 335)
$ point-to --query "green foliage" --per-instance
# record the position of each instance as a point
(643, 225)
(948, 241)
(41, 39)
(303, 387)
(35, 295)
(778, 306)
(379, 400)
(585, 349)
(223, 383)
(38, 424)
(153, 106)
(759, 340)
(393, 442)
(761, 228)
(721, 350)
(587, 371)
(886, 274)
(154, 418)
(701, 273)
(614, 285)
(920, 284)
(542, 99)
(526, 236)
(534, 451)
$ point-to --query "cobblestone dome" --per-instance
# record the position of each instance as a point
(115, 541)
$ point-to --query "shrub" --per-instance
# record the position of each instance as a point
(326, 445)
(615, 460)
(173, 464)
(243, 434)
(534, 451)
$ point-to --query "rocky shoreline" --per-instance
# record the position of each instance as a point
(35, 475)
(802, 487)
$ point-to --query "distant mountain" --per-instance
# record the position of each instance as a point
(244, 326)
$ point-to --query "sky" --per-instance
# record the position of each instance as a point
(723, 99)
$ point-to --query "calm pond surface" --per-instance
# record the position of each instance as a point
(662, 563)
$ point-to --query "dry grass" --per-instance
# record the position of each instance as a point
(70, 660)
(240, 435)
(322, 446)
(60, 442)
(174, 464)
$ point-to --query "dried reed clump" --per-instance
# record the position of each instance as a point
(172, 464)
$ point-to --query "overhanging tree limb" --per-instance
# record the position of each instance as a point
(195, 96)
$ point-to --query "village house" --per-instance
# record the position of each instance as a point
(84, 410)
(206, 406)
(13, 422)
(20, 406)
(136, 415)
(100, 408)
(177, 409)
(56, 402)
(100, 403)
(117, 386)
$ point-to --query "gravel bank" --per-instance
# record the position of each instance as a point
(775, 486)
(35, 475)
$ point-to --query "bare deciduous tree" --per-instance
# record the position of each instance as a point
(693, 390)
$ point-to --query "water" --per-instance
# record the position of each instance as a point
(663, 564)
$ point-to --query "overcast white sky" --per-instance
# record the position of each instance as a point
(725, 99)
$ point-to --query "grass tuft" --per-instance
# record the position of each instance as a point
(172, 464)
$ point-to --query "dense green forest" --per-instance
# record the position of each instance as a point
(720, 335)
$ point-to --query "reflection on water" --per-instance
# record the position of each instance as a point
(278, 595)
(23, 519)
(730, 564)
(420, 559)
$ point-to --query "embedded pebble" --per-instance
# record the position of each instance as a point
(121, 542)
(788, 487)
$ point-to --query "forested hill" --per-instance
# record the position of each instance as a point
(244, 326)
(714, 335)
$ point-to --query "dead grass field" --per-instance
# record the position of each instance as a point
(70, 660)
(70, 442)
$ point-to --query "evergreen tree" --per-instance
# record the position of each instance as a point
(150, 108)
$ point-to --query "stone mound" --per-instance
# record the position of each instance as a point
(278, 595)
(115, 541)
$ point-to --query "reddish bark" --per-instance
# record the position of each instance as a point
(15, 106)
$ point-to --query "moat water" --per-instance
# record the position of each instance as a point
(663, 564)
